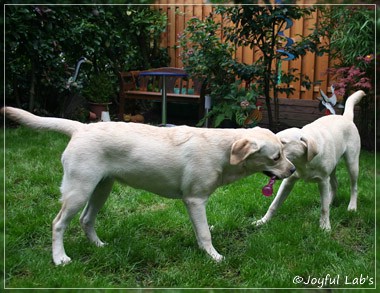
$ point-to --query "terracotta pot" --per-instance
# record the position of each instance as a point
(98, 108)
(92, 116)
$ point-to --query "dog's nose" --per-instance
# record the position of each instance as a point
(292, 170)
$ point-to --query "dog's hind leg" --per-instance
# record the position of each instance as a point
(333, 185)
(76, 191)
(196, 208)
(352, 162)
(96, 202)
(73, 201)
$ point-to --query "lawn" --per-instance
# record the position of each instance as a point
(151, 242)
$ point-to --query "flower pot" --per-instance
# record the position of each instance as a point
(98, 108)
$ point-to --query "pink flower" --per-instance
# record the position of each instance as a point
(340, 92)
(342, 70)
(354, 71)
(367, 59)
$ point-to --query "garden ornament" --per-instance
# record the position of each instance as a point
(72, 79)
(138, 118)
(328, 103)
(289, 43)
(208, 103)
(256, 115)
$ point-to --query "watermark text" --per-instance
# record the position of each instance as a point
(334, 280)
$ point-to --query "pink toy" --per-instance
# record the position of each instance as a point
(268, 189)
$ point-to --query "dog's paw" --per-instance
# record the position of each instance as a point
(325, 227)
(259, 222)
(214, 254)
(61, 261)
(351, 208)
(218, 257)
(101, 243)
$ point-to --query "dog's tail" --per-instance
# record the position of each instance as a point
(65, 126)
(350, 104)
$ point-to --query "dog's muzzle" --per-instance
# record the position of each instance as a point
(270, 174)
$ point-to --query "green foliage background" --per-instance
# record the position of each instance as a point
(209, 48)
(43, 44)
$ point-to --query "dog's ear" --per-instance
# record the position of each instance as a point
(311, 147)
(241, 149)
(284, 140)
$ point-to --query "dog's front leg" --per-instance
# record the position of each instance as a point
(324, 190)
(283, 192)
(196, 208)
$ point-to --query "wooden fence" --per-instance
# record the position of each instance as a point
(180, 11)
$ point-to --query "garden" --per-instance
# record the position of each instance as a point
(61, 58)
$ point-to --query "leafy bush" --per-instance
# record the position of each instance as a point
(207, 54)
(99, 88)
(43, 43)
(235, 104)
(347, 27)
(207, 58)
(351, 30)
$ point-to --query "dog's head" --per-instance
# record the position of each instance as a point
(298, 147)
(263, 152)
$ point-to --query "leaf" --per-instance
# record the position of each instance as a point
(219, 119)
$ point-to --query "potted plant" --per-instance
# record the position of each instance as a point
(235, 107)
(99, 91)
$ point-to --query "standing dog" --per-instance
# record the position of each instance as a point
(315, 150)
(179, 162)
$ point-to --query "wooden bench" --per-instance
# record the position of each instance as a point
(179, 89)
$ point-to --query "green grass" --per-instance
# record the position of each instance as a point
(151, 242)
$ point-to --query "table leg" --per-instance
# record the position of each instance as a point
(163, 101)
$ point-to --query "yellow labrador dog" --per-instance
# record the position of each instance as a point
(178, 162)
(315, 150)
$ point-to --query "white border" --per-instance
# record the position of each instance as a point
(175, 288)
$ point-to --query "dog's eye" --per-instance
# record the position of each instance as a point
(277, 157)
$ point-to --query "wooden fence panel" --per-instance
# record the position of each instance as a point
(180, 11)
(298, 113)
